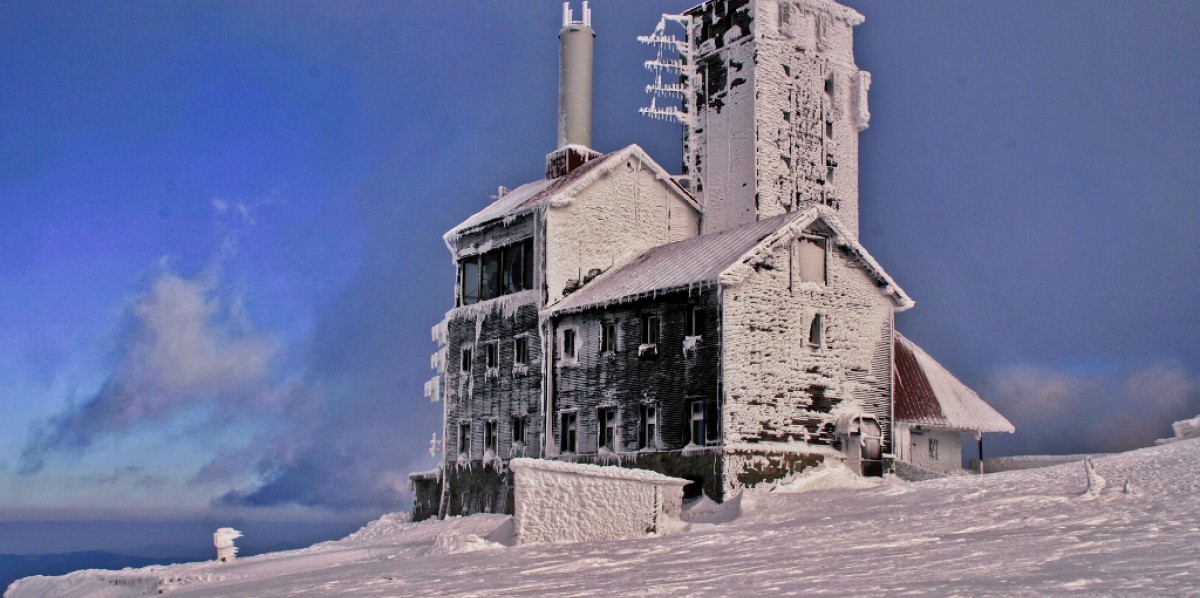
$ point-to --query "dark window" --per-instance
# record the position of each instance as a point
(568, 340)
(693, 324)
(470, 281)
(514, 268)
(650, 330)
(606, 419)
(521, 350)
(489, 351)
(491, 276)
(518, 430)
(697, 423)
(608, 337)
(489, 437)
(566, 433)
(497, 272)
(464, 440)
(933, 449)
(814, 331)
(465, 364)
(648, 427)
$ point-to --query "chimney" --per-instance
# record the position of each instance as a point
(575, 41)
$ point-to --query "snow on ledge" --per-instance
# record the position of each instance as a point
(595, 471)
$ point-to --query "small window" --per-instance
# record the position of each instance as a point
(489, 437)
(650, 331)
(697, 421)
(521, 350)
(566, 433)
(933, 449)
(491, 276)
(464, 440)
(829, 86)
(608, 337)
(814, 331)
(489, 351)
(606, 419)
(810, 253)
(648, 427)
(693, 324)
(514, 268)
(469, 280)
(568, 343)
(465, 364)
(518, 430)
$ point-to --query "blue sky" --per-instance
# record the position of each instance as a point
(221, 254)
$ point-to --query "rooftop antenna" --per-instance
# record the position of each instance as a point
(674, 58)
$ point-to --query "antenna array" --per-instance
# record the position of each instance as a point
(674, 57)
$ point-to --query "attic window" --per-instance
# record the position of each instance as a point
(814, 331)
(693, 322)
(650, 334)
(496, 273)
(810, 253)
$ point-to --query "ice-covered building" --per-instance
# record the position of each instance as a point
(725, 325)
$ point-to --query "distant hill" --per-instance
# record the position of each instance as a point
(16, 566)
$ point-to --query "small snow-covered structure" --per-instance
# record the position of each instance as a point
(223, 540)
(933, 409)
(1183, 429)
(574, 502)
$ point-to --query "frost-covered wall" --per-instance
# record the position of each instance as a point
(929, 448)
(571, 502)
(783, 391)
(778, 108)
(625, 210)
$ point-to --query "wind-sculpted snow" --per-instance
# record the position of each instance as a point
(1020, 533)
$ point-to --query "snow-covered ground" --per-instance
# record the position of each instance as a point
(1020, 533)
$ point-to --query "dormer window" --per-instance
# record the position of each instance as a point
(496, 273)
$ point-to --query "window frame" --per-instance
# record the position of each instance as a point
(491, 354)
(568, 444)
(606, 429)
(518, 424)
(697, 407)
(648, 427)
(521, 350)
(466, 356)
(514, 266)
(608, 336)
(816, 331)
(490, 438)
(569, 350)
(464, 440)
(693, 321)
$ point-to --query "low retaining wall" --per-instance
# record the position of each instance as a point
(573, 502)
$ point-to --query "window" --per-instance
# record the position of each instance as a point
(693, 322)
(568, 343)
(464, 440)
(810, 253)
(814, 331)
(606, 419)
(650, 330)
(521, 350)
(518, 430)
(489, 352)
(495, 273)
(697, 421)
(489, 437)
(648, 427)
(933, 449)
(566, 433)
(465, 364)
(608, 337)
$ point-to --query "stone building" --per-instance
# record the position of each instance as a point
(725, 325)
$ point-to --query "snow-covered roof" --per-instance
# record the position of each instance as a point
(706, 258)
(926, 394)
(543, 192)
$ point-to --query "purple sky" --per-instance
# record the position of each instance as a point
(266, 185)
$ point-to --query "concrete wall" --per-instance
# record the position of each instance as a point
(570, 502)
(625, 211)
(912, 446)
(769, 136)
(779, 388)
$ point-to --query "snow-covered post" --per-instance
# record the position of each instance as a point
(223, 540)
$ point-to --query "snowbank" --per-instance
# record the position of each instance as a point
(572, 502)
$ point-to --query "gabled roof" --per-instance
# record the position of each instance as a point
(926, 394)
(708, 258)
(559, 191)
